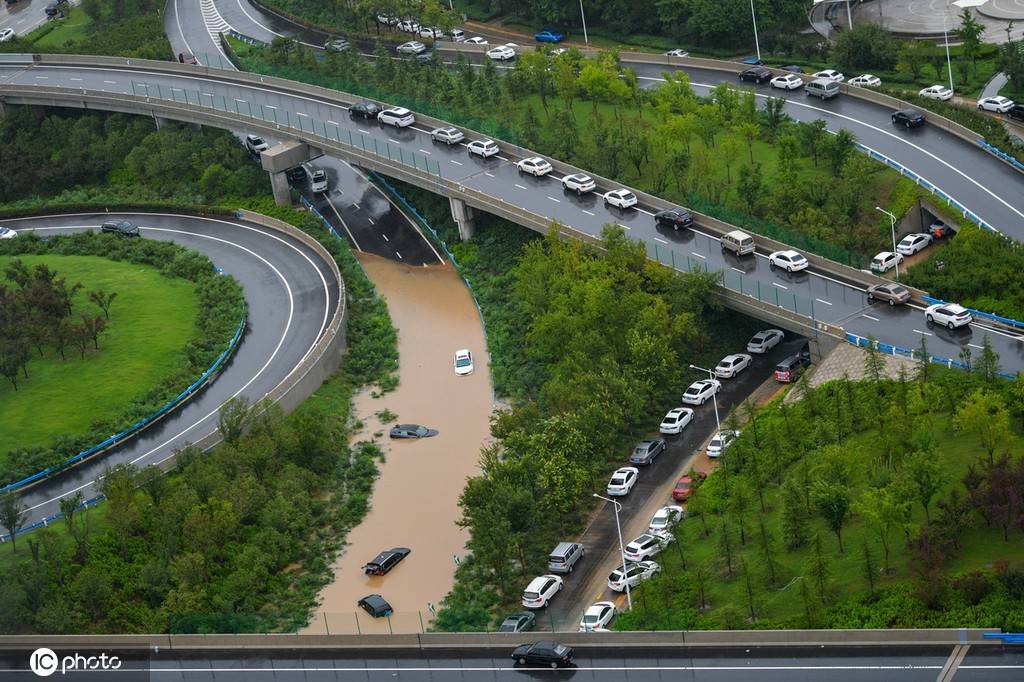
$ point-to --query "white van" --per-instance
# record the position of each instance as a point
(740, 243)
(823, 88)
(457, 35)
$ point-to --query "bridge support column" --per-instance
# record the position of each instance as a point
(464, 217)
(3, 109)
(161, 122)
(282, 193)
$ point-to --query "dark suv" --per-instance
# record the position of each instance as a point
(385, 561)
(365, 110)
(758, 74)
(1016, 112)
(911, 118)
(57, 8)
(121, 227)
(646, 450)
(676, 218)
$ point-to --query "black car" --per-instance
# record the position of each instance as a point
(297, 175)
(518, 622)
(646, 451)
(758, 74)
(676, 218)
(385, 561)
(544, 653)
(121, 227)
(793, 68)
(1016, 112)
(908, 117)
(376, 606)
(365, 109)
(57, 8)
(411, 431)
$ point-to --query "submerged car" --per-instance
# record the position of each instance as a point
(411, 431)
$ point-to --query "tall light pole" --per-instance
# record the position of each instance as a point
(892, 222)
(945, 35)
(753, 17)
(583, 17)
(849, 16)
(622, 550)
(714, 396)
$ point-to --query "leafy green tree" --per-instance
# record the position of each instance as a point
(795, 522)
(728, 151)
(233, 418)
(842, 146)
(832, 499)
(773, 115)
(819, 568)
(874, 366)
(925, 477)
(814, 136)
(987, 367)
(984, 414)
(749, 132)
(13, 515)
(885, 510)
(865, 46)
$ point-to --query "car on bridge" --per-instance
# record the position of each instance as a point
(789, 260)
(952, 315)
(124, 228)
(998, 104)
(483, 148)
(646, 451)
(411, 47)
(632, 574)
(891, 292)
(676, 218)
(385, 561)
(7, 233)
(551, 654)
(365, 109)
(622, 481)
(940, 92)
(518, 622)
(701, 391)
(885, 261)
(758, 74)
(400, 117)
(579, 183)
(549, 36)
(866, 81)
(448, 135)
(621, 198)
(765, 340)
(376, 606)
(731, 365)
(910, 118)
(540, 591)
(831, 75)
(789, 81)
(913, 243)
(535, 166)
(598, 616)
(677, 419)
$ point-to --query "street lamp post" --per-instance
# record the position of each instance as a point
(622, 550)
(945, 35)
(714, 396)
(753, 17)
(892, 222)
(583, 17)
(849, 16)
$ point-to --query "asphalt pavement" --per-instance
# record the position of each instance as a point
(23, 16)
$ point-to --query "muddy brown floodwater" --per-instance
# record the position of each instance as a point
(415, 499)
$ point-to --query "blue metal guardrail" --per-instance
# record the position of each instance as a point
(1010, 322)
(1001, 154)
(139, 425)
(912, 353)
(906, 172)
(42, 523)
(1007, 637)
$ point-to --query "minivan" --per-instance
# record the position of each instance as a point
(740, 243)
(564, 556)
(457, 35)
(822, 87)
(789, 369)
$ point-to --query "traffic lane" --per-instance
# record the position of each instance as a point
(252, 21)
(289, 292)
(185, 28)
(989, 663)
(601, 537)
(24, 15)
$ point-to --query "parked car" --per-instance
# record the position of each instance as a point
(448, 135)
(57, 8)
(913, 243)
(789, 81)
(765, 340)
(579, 183)
(337, 45)
(6, 34)
(678, 52)
(685, 486)
(701, 391)
(866, 81)
(401, 431)
(940, 92)
(622, 481)
(665, 518)
(564, 556)
(477, 40)
(483, 148)
(789, 260)
(502, 53)
(365, 109)
(1016, 112)
(408, 26)
(297, 175)
(518, 622)
(535, 166)
(676, 218)
(620, 198)
(540, 591)
(885, 261)
(677, 419)
(549, 36)
(318, 181)
(789, 369)
(7, 233)
(731, 365)
(647, 546)
(375, 605)
(939, 229)
(793, 68)
(424, 57)
(463, 362)
(546, 653)
(952, 315)
(124, 228)
(758, 74)
(597, 616)
(909, 118)
(998, 104)
(632, 574)
(892, 292)
(830, 74)
(255, 144)
(385, 561)
(721, 441)
(411, 47)
(400, 117)
(646, 451)
(430, 32)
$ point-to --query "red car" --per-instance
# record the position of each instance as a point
(684, 487)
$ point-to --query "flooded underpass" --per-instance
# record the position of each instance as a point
(415, 499)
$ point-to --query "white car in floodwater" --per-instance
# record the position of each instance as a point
(463, 362)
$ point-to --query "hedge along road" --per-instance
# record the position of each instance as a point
(291, 294)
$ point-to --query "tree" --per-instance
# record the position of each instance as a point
(795, 530)
(865, 46)
(533, 67)
(832, 498)
(13, 515)
(987, 366)
(749, 132)
(970, 33)
(924, 361)
(766, 543)
(814, 135)
(726, 548)
(911, 57)
(728, 152)
(874, 364)
(1011, 61)
(884, 510)
(773, 114)
(233, 419)
(869, 567)
(842, 146)
(984, 414)
(925, 477)
(748, 585)
(819, 567)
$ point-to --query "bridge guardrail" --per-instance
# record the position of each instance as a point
(1007, 321)
(913, 354)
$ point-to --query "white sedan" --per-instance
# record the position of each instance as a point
(411, 47)
(598, 616)
(913, 243)
(6, 34)
(632, 574)
(790, 261)
(720, 442)
(831, 75)
(579, 183)
(677, 53)
(484, 148)
(501, 53)
(677, 419)
(476, 41)
(866, 81)
(535, 166)
(7, 233)
(463, 362)
(998, 104)
(764, 341)
(936, 92)
(701, 391)
(447, 135)
(790, 81)
(731, 365)
(622, 481)
(948, 314)
(408, 26)
(621, 198)
(665, 518)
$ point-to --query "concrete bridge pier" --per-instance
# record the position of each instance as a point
(3, 109)
(465, 218)
(279, 185)
(277, 160)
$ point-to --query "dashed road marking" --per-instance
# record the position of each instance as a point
(520, 186)
(821, 301)
(587, 212)
(385, 237)
(921, 332)
(457, 163)
(557, 201)
(699, 255)
(873, 319)
(423, 151)
(660, 240)
(776, 284)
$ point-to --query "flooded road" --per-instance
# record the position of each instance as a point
(415, 499)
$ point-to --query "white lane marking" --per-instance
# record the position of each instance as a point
(342, 221)
(372, 222)
(457, 163)
(586, 211)
(520, 186)
(490, 175)
(974, 345)
(737, 270)
(355, 205)
(241, 6)
(658, 239)
(364, 132)
(423, 151)
(822, 301)
(921, 332)
(776, 284)
(333, 123)
(43, 78)
(75, 79)
(399, 255)
(385, 237)
(302, 113)
(110, 82)
(698, 255)
(557, 201)
(391, 139)
(265, 106)
(873, 319)
(627, 227)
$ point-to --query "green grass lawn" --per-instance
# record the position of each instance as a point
(75, 27)
(151, 320)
